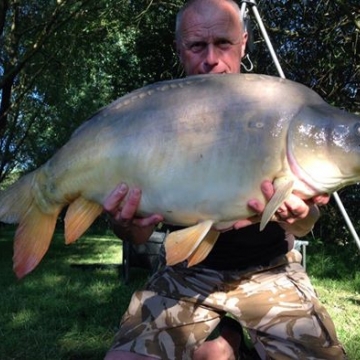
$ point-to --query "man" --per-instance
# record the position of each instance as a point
(253, 275)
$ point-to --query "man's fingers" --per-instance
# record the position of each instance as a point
(297, 208)
(123, 203)
(112, 202)
(256, 206)
(131, 205)
(321, 199)
(267, 189)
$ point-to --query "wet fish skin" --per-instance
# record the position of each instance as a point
(199, 149)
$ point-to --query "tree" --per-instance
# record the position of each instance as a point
(26, 30)
(61, 61)
(317, 44)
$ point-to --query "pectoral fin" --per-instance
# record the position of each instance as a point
(281, 193)
(181, 244)
(79, 216)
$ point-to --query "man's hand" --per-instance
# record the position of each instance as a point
(295, 215)
(122, 205)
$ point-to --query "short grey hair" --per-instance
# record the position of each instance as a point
(194, 2)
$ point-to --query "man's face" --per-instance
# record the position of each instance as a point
(211, 41)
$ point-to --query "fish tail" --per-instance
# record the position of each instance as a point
(36, 228)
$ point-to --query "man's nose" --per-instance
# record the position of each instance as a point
(211, 57)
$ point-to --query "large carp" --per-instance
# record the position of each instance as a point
(199, 149)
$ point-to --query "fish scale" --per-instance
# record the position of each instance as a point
(199, 148)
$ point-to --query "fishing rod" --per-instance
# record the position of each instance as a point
(245, 4)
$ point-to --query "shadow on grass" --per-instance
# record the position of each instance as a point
(69, 306)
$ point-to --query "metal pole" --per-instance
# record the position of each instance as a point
(264, 33)
(252, 3)
(347, 219)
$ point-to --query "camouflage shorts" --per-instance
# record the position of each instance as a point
(180, 307)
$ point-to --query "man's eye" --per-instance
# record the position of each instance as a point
(223, 44)
(197, 46)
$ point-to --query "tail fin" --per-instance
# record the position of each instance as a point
(32, 240)
(35, 230)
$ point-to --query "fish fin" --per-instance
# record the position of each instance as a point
(179, 245)
(80, 214)
(202, 251)
(32, 240)
(36, 228)
(280, 195)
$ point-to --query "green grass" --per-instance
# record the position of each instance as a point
(69, 307)
(335, 274)
(343, 304)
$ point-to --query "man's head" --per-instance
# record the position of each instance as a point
(210, 37)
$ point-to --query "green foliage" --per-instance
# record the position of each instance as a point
(317, 44)
(332, 229)
(333, 261)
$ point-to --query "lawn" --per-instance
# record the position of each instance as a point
(69, 307)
